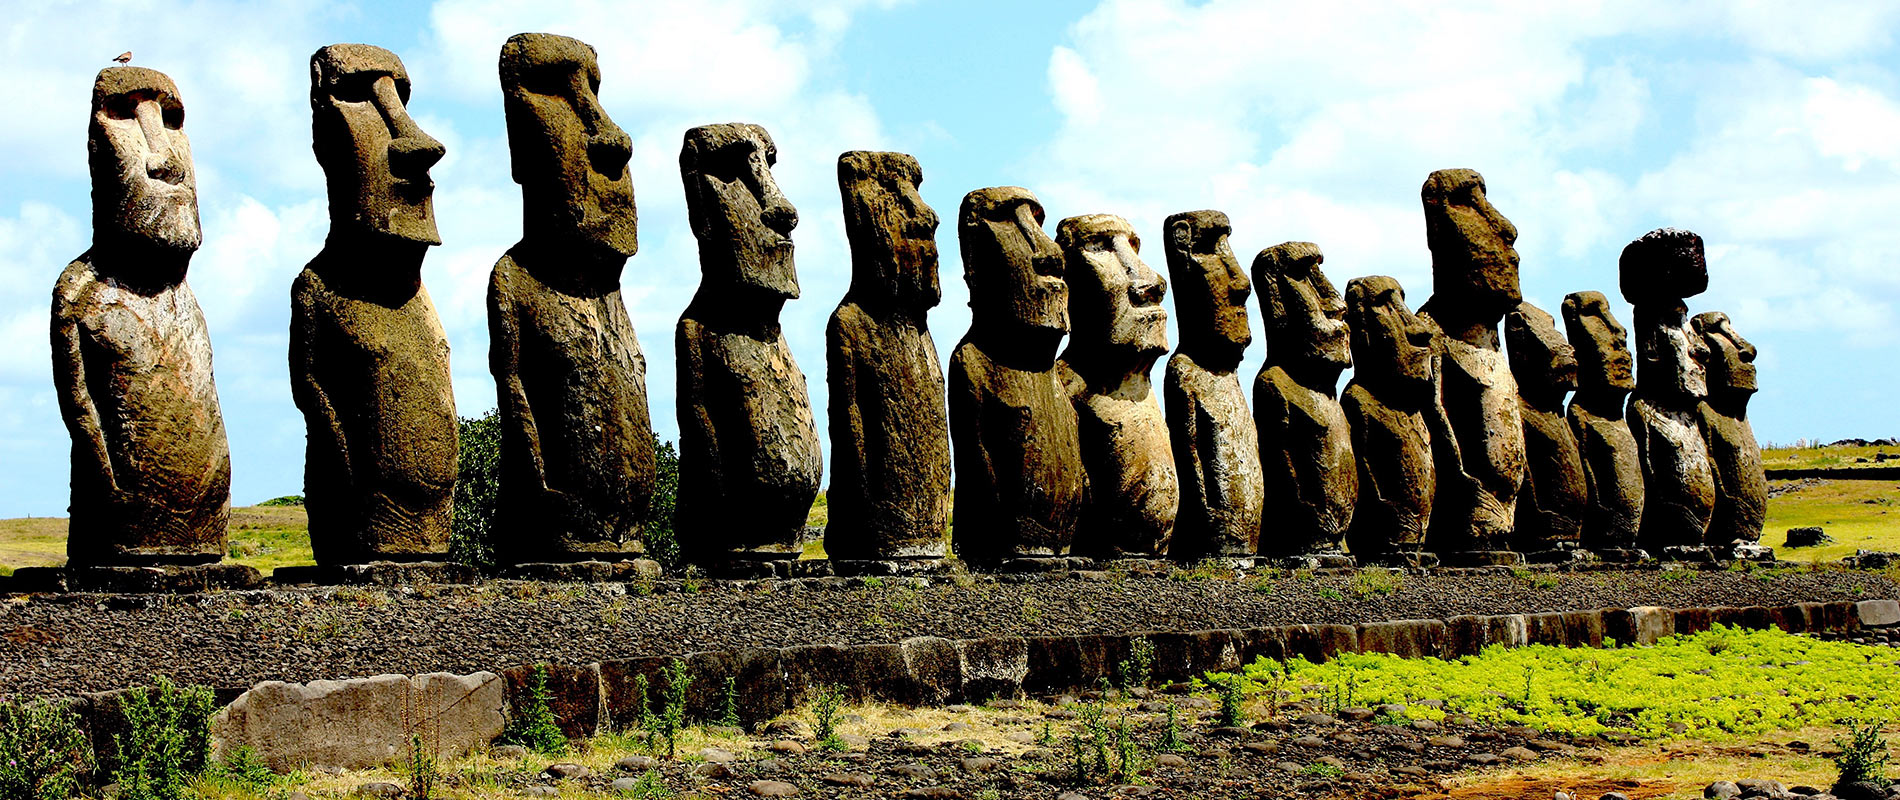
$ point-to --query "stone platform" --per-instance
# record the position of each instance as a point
(582, 571)
(132, 580)
(377, 573)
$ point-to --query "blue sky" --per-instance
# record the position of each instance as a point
(1771, 129)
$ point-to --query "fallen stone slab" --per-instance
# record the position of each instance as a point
(364, 722)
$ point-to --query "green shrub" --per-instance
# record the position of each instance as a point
(167, 740)
(42, 752)
(1138, 668)
(729, 704)
(662, 728)
(295, 500)
(477, 487)
(661, 542)
(531, 724)
(1373, 581)
(1232, 695)
(827, 705)
(1863, 754)
(242, 768)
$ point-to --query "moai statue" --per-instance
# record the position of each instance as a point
(1118, 329)
(369, 362)
(577, 464)
(1550, 507)
(890, 433)
(151, 470)
(1614, 475)
(1216, 448)
(750, 460)
(1741, 485)
(1305, 444)
(1656, 272)
(1020, 483)
(1480, 441)
(1388, 405)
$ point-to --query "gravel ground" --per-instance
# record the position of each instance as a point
(59, 645)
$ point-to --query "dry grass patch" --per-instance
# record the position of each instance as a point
(1671, 771)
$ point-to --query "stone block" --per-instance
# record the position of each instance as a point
(1547, 628)
(1840, 617)
(1256, 643)
(758, 680)
(1406, 638)
(1729, 616)
(1319, 643)
(1648, 624)
(1877, 613)
(934, 667)
(866, 671)
(583, 571)
(1690, 621)
(1180, 656)
(993, 668)
(574, 695)
(377, 573)
(364, 722)
(1758, 618)
(182, 579)
(1790, 618)
(1468, 635)
(1067, 663)
(1583, 628)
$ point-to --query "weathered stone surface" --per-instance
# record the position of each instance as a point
(1306, 453)
(1612, 472)
(1406, 638)
(1550, 506)
(1878, 613)
(866, 671)
(1216, 445)
(1386, 406)
(890, 433)
(369, 361)
(151, 468)
(993, 668)
(1657, 272)
(1741, 485)
(575, 693)
(1020, 484)
(1065, 663)
(1185, 655)
(364, 722)
(746, 427)
(577, 463)
(1811, 536)
(935, 668)
(1118, 329)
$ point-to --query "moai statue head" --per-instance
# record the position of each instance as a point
(1542, 362)
(1013, 269)
(1305, 320)
(1210, 288)
(566, 153)
(743, 223)
(1115, 299)
(1663, 267)
(1474, 263)
(1730, 359)
(375, 158)
(1657, 271)
(1602, 346)
(892, 232)
(144, 192)
(1391, 346)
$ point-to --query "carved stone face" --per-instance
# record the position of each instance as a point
(1210, 292)
(1014, 270)
(892, 231)
(1601, 343)
(1664, 266)
(1474, 263)
(1730, 358)
(743, 223)
(1115, 299)
(567, 154)
(145, 194)
(1305, 317)
(375, 158)
(1540, 358)
(1393, 347)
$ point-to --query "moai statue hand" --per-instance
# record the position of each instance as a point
(890, 432)
(1479, 441)
(577, 463)
(1387, 406)
(151, 469)
(369, 362)
(1741, 485)
(1216, 447)
(1020, 483)
(750, 459)
(1656, 272)
(1119, 329)
(1551, 505)
(1613, 473)
(1305, 444)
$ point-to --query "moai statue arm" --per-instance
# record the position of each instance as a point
(304, 386)
(519, 428)
(69, 375)
(845, 413)
(1184, 418)
(975, 472)
(696, 423)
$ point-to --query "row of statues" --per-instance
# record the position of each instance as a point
(1441, 446)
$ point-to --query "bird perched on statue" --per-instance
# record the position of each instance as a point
(124, 58)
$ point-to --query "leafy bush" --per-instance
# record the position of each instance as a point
(287, 500)
(663, 727)
(1138, 668)
(661, 542)
(1374, 581)
(477, 488)
(42, 752)
(1232, 695)
(532, 725)
(167, 740)
(827, 705)
(1863, 754)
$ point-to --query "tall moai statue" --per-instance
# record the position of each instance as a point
(577, 463)
(151, 469)
(750, 459)
(1550, 507)
(1479, 446)
(1020, 483)
(1388, 405)
(1305, 444)
(1612, 471)
(1656, 272)
(1118, 330)
(369, 362)
(1741, 485)
(890, 432)
(1216, 447)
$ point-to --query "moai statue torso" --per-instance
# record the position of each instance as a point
(1306, 451)
(1741, 501)
(750, 460)
(1216, 447)
(151, 469)
(890, 433)
(1550, 506)
(1612, 471)
(1117, 330)
(1657, 272)
(1480, 439)
(369, 362)
(1387, 405)
(577, 446)
(1020, 483)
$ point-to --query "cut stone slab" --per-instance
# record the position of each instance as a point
(362, 723)
(1878, 613)
(377, 573)
(136, 580)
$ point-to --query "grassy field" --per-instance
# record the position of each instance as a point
(1824, 457)
(1858, 514)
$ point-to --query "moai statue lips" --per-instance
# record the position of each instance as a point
(151, 467)
(577, 444)
(1386, 405)
(1742, 486)
(1613, 473)
(1305, 442)
(1657, 271)
(376, 159)
(890, 433)
(1216, 446)
(1120, 328)
(1550, 508)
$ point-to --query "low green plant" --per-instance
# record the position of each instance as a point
(1135, 671)
(1863, 754)
(422, 770)
(1371, 582)
(167, 740)
(1171, 741)
(651, 786)
(243, 769)
(531, 724)
(42, 751)
(691, 580)
(662, 728)
(1232, 695)
(826, 708)
(1321, 770)
(1330, 593)
(729, 704)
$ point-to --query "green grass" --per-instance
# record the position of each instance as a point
(1823, 457)
(265, 537)
(1858, 514)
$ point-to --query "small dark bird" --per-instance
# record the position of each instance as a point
(124, 58)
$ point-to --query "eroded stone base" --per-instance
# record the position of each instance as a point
(134, 580)
(1695, 554)
(896, 567)
(1041, 564)
(1620, 556)
(1312, 561)
(582, 571)
(1749, 551)
(1482, 558)
(760, 569)
(1420, 559)
(1560, 556)
(377, 573)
